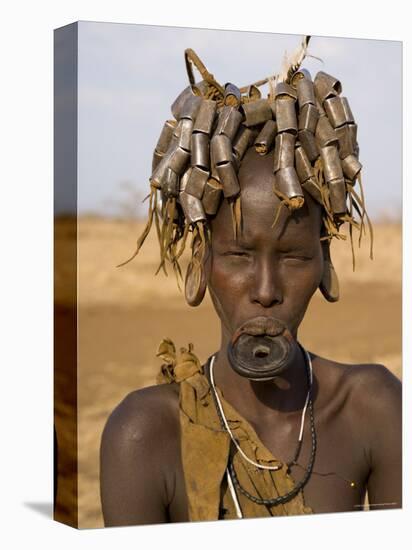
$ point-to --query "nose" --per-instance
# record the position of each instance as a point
(266, 289)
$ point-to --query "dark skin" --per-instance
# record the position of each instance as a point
(272, 272)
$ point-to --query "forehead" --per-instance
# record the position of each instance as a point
(259, 206)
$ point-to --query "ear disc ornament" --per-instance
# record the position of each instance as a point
(329, 285)
(195, 283)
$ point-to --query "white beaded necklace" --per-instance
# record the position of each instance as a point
(225, 422)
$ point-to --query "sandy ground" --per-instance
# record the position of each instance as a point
(124, 313)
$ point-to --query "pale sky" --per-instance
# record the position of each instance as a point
(129, 75)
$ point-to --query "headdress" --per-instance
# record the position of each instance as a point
(311, 128)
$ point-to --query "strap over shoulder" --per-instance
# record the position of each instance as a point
(176, 366)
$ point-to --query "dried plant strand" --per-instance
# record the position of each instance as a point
(297, 59)
(278, 210)
(361, 200)
(146, 230)
(167, 232)
(369, 223)
(183, 242)
(351, 229)
(236, 214)
(191, 57)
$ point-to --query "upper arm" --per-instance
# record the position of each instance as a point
(132, 481)
(383, 431)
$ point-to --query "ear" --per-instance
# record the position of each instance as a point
(196, 274)
(329, 284)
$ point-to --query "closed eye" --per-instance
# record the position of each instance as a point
(238, 253)
(298, 258)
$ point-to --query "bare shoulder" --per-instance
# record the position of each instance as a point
(375, 380)
(145, 414)
(368, 387)
(139, 457)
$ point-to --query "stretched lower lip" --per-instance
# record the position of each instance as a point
(261, 348)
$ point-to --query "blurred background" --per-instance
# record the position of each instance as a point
(128, 76)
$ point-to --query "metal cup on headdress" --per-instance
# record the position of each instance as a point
(266, 137)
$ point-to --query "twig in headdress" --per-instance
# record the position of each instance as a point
(293, 63)
(192, 57)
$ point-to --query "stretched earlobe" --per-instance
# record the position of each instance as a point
(329, 284)
(197, 270)
(195, 283)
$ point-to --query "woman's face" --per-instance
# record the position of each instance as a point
(268, 271)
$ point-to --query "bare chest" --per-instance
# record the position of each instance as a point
(340, 471)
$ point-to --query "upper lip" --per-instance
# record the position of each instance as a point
(259, 326)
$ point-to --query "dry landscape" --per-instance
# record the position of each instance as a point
(124, 313)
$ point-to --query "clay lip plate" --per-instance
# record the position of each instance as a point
(261, 348)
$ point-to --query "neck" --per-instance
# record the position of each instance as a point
(286, 393)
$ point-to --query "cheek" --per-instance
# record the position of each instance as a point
(228, 284)
(305, 279)
(300, 285)
(227, 280)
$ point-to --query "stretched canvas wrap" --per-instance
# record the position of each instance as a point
(227, 312)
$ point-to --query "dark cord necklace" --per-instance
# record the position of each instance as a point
(281, 499)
